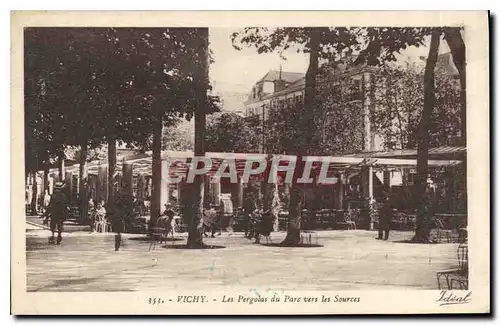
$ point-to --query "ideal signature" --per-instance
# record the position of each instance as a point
(452, 298)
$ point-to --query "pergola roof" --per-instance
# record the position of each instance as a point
(438, 153)
(179, 161)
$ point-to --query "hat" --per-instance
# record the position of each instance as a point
(59, 185)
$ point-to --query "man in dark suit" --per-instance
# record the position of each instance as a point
(57, 212)
(249, 206)
(385, 218)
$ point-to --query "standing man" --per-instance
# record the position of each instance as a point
(385, 218)
(249, 206)
(57, 212)
(227, 212)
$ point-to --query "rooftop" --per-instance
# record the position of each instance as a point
(289, 77)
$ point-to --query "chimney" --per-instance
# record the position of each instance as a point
(279, 84)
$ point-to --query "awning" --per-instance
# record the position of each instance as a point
(179, 162)
(438, 153)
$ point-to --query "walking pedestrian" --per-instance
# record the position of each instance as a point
(116, 217)
(57, 212)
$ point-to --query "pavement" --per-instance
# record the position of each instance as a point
(69, 225)
(347, 260)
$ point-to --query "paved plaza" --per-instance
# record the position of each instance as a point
(350, 259)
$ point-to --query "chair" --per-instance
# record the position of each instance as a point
(458, 275)
(268, 239)
(101, 224)
(462, 235)
(443, 233)
(463, 284)
(308, 237)
(158, 235)
(348, 219)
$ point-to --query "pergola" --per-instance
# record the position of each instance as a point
(177, 163)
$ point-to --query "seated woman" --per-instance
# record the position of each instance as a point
(99, 217)
(265, 227)
(210, 221)
(166, 219)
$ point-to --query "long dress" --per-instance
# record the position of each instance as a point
(210, 218)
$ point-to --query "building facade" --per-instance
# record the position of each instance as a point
(278, 90)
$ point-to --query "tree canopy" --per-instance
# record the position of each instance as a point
(229, 132)
(90, 84)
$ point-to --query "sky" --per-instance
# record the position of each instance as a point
(237, 71)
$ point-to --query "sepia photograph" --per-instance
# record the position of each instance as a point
(233, 169)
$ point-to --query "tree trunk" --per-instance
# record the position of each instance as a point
(156, 168)
(195, 239)
(83, 182)
(294, 214)
(46, 184)
(457, 47)
(423, 213)
(111, 208)
(61, 167)
(306, 134)
(34, 190)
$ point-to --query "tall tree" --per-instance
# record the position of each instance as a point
(382, 46)
(320, 43)
(195, 238)
(422, 231)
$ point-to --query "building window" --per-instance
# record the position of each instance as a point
(412, 176)
(282, 104)
(355, 90)
(298, 101)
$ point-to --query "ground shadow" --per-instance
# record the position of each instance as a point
(146, 239)
(291, 245)
(81, 281)
(38, 245)
(409, 241)
(186, 247)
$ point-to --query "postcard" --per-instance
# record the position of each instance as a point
(250, 163)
